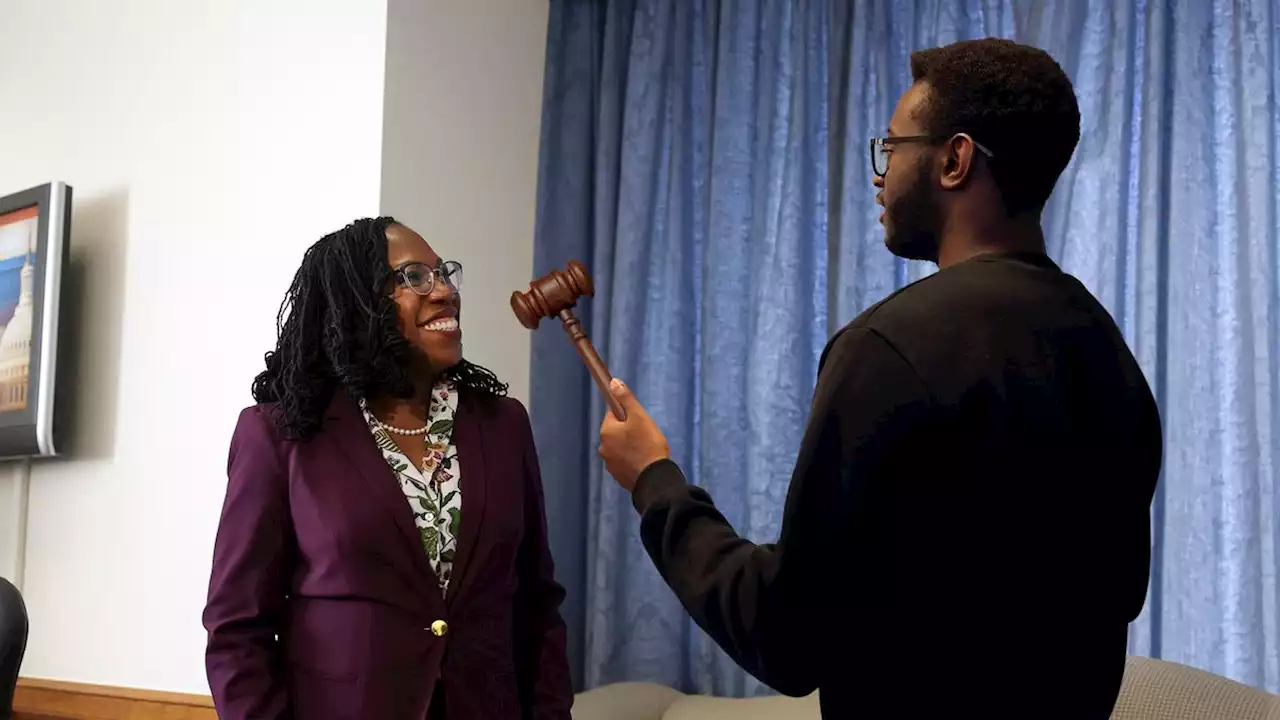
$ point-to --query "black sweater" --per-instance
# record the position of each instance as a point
(967, 526)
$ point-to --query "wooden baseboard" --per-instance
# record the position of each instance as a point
(57, 700)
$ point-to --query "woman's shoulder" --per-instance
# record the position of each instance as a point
(514, 409)
(255, 439)
(502, 411)
(260, 419)
(271, 419)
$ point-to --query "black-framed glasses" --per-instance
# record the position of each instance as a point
(421, 277)
(880, 148)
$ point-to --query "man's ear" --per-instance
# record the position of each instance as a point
(957, 162)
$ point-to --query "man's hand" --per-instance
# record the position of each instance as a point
(630, 446)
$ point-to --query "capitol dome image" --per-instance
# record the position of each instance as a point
(15, 348)
(17, 239)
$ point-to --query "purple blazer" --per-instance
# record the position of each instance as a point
(323, 605)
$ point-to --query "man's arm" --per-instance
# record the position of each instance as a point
(766, 605)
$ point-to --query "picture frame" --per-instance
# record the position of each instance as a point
(35, 228)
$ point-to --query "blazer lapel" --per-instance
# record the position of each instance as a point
(469, 440)
(356, 441)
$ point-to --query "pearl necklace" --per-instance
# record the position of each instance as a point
(392, 428)
(401, 431)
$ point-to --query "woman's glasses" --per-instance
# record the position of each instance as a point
(421, 277)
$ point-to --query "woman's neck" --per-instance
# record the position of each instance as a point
(407, 412)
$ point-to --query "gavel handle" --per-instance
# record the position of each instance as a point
(589, 355)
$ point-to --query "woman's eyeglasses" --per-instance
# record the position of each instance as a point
(421, 277)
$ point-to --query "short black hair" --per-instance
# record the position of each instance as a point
(337, 330)
(1014, 99)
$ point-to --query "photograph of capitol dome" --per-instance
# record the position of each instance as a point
(18, 235)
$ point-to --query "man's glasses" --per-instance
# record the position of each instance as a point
(880, 148)
(421, 277)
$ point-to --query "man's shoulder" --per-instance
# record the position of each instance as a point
(904, 306)
(875, 324)
(976, 291)
(963, 307)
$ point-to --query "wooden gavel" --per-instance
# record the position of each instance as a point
(554, 295)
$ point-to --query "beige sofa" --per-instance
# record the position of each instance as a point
(1152, 690)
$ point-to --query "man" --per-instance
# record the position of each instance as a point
(967, 527)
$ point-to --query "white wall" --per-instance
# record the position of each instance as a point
(460, 154)
(208, 142)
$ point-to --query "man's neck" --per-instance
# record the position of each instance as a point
(1021, 234)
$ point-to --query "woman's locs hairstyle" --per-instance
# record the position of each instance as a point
(336, 329)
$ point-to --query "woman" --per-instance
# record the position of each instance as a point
(382, 552)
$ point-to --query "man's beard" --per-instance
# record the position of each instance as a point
(912, 222)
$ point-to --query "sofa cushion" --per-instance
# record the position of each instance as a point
(625, 701)
(700, 707)
(1162, 690)
(1152, 690)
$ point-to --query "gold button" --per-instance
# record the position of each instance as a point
(439, 627)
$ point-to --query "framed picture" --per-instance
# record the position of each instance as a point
(35, 225)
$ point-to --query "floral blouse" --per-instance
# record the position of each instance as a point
(433, 491)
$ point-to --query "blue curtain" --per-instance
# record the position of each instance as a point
(708, 161)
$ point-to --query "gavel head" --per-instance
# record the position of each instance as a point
(548, 295)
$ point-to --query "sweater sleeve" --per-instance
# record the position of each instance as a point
(767, 605)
